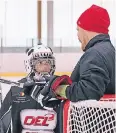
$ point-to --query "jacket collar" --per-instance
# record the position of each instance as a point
(96, 39)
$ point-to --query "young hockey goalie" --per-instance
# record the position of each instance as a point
(21, 112)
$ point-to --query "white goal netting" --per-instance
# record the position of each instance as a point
(92, 117)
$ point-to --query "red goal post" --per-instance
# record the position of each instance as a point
(90, 116)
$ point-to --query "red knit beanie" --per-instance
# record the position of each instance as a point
(94, 19)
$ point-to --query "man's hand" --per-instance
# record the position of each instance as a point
(48, 92)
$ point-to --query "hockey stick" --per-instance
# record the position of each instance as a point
(18, 84)
(13, 83)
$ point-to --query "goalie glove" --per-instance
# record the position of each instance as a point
(27, 87)
(48, 92)
(33, 88)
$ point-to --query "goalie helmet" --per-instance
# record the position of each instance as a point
(37, 54)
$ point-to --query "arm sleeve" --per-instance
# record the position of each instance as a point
(93, 80)
(5, 114)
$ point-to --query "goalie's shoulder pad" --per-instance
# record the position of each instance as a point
(15, 89)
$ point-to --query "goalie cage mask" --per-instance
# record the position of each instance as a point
(37, 54)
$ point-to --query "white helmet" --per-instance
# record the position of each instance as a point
(37, 53)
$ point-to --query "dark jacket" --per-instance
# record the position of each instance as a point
(94, 74)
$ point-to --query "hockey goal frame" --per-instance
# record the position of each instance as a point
(105, 98)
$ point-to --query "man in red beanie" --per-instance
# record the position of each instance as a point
(92, 22)
(94, 74)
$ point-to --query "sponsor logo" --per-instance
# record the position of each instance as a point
(20, 98)
(22, 93)
(38, 119)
